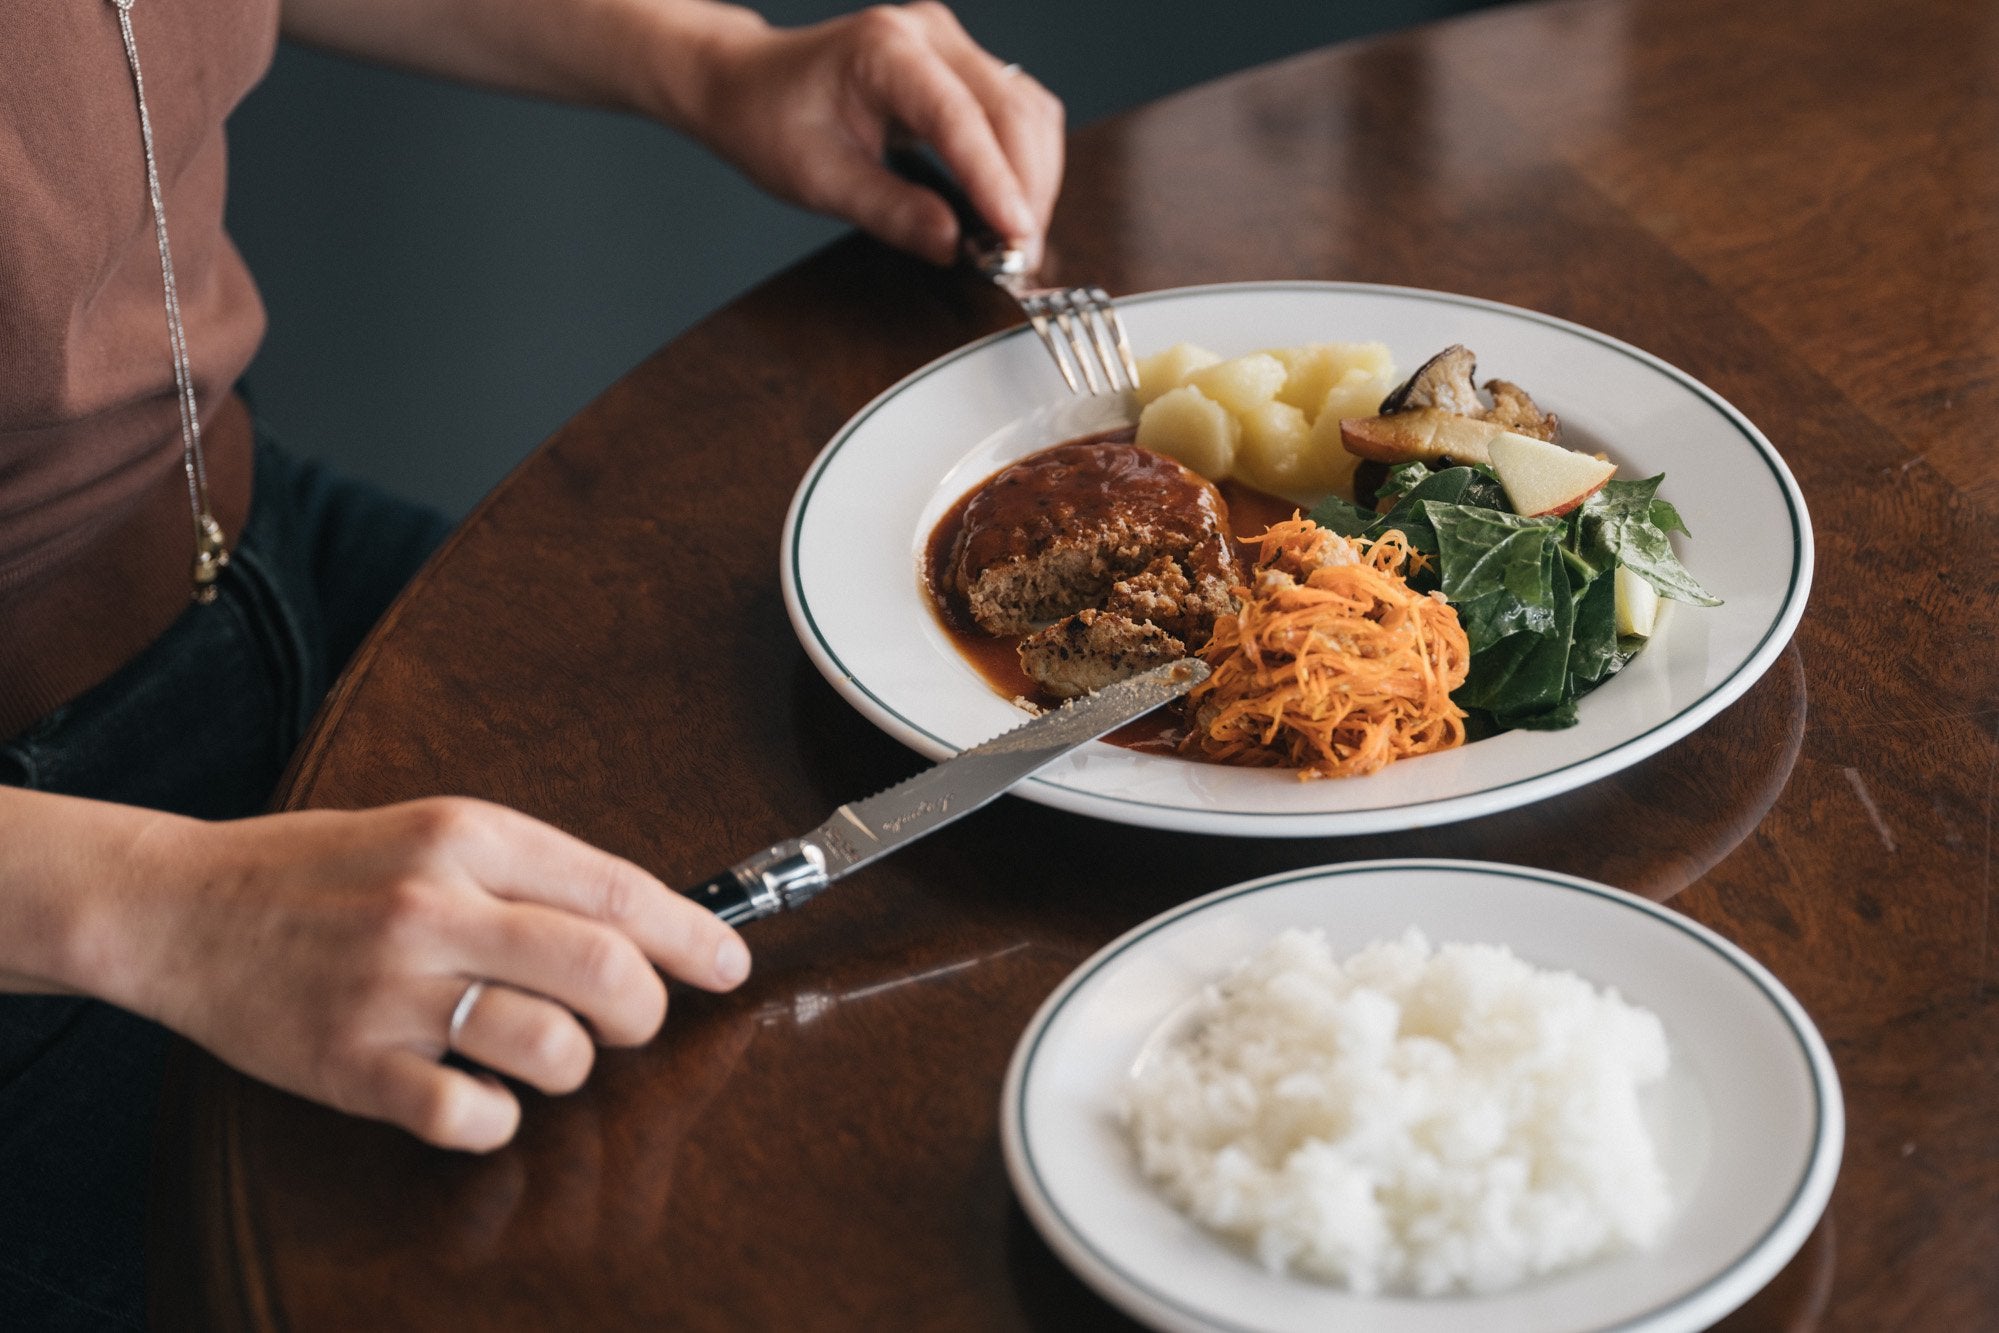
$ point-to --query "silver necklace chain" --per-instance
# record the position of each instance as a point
(211, 551)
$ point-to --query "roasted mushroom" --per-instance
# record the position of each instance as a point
(1513, 409)
(1438, 415)
(1444, 382)
(1429, 434)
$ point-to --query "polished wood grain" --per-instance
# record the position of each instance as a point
(1796, 203)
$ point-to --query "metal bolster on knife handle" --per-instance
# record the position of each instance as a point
(777, 879)
(786, 875)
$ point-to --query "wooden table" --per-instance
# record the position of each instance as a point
(1795, 203)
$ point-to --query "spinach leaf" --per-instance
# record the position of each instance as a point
(1465, 485)
(1598, 654)
(1411, 484)
(1469, 486)
(1501, 676)
(1536, 596)
(1525, 676)
(1505, 574)
(1585, 567)
(1626, 523)
(1561, 715)
(1342, 516)
(1402, 479)
(1580, 570)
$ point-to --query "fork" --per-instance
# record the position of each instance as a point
(1079, 326)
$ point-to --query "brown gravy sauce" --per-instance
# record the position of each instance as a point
(996, 657)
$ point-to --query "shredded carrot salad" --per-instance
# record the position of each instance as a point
(1333, 665)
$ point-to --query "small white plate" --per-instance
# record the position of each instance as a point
(854, 542)
(1748, 1122)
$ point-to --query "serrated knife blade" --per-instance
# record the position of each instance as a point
(787, 874)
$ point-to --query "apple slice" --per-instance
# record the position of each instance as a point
(1542, 478)
(1428, 434)
(1637, 604)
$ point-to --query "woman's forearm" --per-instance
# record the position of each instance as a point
(66, 867)
(804, 112)
(647, 56)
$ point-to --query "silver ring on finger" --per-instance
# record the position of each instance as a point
(461, 1012)
(1007, 71)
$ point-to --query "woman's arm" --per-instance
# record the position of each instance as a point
(325, 951)
(805, 112)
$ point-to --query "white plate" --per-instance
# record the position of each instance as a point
(854, 539)
(1749, 1121)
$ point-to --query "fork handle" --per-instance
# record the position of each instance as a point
(982, 246)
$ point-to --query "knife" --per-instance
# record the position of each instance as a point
(788, 874)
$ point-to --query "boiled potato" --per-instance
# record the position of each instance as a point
(1169, 369)
(1271, 418)
(1293, 358)
(1275, 453)
(1333, 465)
(1242, 383)
(1186, 424)
(1357, 393)
(1314, 369)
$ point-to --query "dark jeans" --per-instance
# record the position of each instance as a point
(201, 723)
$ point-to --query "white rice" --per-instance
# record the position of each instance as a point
(1413, 1120)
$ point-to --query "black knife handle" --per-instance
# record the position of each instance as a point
(725, 896)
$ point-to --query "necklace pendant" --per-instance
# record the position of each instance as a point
(211, 555)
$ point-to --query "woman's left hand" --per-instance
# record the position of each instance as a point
(807, 113)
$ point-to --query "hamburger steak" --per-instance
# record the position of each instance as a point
(1111, 558)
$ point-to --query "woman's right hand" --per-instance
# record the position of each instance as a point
(806, 113)
(325, 952)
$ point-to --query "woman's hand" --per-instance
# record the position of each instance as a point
(808, 112)
(804, 112)
(325, 952)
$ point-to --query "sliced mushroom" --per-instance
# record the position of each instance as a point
(1444, 382)
(1426, 433)
(1438, 414)
(1517, 412)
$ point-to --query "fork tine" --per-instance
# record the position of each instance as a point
(1098, 314)
(1067, 307)
(1092, 351)
(1037, 314)
(1108, 310)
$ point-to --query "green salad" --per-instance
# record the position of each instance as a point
(1537, 596)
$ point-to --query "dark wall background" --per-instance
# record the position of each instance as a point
(451, 274)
